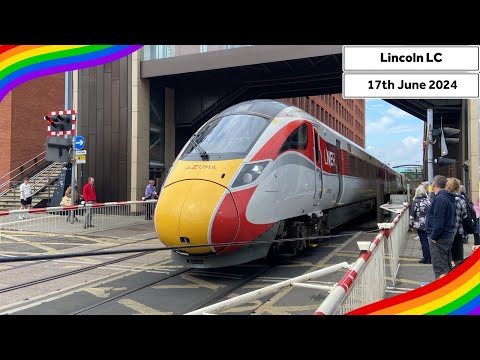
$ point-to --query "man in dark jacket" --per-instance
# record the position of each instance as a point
(440, 226)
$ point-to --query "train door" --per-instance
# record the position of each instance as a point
(318, 168)
(339, 170)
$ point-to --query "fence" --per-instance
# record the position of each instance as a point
(75, 219)
(396, 237)
(257, 294)
(365, 281)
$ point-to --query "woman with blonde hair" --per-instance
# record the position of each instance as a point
(418, 214)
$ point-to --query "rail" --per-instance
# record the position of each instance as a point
(37, 160)
(46, 174)
(87, 218)
(365, 281)
(36, 181)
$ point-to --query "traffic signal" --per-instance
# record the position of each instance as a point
(446, 138)
(61, 123)
(57, 149)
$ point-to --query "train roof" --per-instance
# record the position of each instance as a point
(271, 108)
(262, 107)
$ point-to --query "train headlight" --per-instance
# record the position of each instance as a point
(247, 178)
(249, 173)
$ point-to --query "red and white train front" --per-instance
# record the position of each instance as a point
(249, 172)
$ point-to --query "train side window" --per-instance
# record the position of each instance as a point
(297, 140)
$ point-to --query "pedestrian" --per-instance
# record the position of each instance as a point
(440, 227)
(476, 236)
(67, 200)
(90, 197)
(150, 194)
(25, 197)
(418, 215)
(453, 185)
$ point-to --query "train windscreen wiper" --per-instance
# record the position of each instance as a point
(199, 149)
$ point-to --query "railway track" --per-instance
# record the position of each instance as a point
(187, 289)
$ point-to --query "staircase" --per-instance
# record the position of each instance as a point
(42, 183)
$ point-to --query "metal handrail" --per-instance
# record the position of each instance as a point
(43, 178)
(44, 173)
(7, 183)
(36, 156)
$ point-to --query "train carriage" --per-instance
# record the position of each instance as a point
(258, 171)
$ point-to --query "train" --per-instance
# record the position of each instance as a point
(260, 171)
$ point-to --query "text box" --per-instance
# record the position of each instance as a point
(413, 86)
(410, 58)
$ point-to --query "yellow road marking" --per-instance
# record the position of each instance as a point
(20, 253)
(286, 310)
(38, 245)
(40, 234)
(140, 308)
(101, 292)
(270, 303)
(197, 283)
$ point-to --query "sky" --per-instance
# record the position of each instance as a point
(392, 135)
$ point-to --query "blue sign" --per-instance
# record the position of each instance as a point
(79, 142)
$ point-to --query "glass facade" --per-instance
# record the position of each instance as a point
(154, 52)
(157, 131)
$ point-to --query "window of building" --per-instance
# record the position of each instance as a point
(318, 112)
(300, 103)
(352, 165)
(298, 139)
(307, 105)
(312, 108)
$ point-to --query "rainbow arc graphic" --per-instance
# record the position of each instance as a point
(457, 293)
(21, 63)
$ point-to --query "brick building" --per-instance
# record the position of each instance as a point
(23, 132)
(346, 116)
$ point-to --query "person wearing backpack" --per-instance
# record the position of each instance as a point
(418, 214)
(463, 223)
(472, 213)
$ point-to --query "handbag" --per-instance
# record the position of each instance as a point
(468, 224)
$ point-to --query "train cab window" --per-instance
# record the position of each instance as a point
(297, 140)
(230, 134)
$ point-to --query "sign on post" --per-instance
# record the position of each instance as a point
(81, 156)
(79, 142)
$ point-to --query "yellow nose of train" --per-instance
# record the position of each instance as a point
(194, 201)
